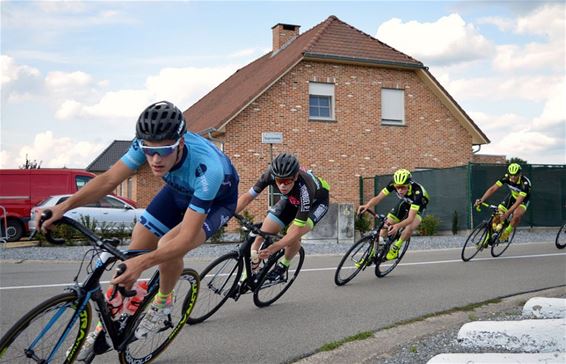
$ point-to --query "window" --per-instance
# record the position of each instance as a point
(80, 181)
(392, 106)
(321, 101)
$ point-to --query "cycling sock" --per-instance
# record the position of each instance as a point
(161, 300)
(399, 242)
(509, 228)
(286, 262)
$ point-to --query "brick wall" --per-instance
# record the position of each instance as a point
(356, 144)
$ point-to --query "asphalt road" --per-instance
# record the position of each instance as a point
(315, 311)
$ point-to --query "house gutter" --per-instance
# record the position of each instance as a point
(367, 61)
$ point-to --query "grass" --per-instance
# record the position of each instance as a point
(336, 344)
(367, 334)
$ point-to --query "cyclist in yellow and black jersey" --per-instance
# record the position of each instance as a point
(408, 212)
(516, 202)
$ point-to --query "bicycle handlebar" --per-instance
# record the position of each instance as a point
(107, 245)
(493, 207)
(250, 226)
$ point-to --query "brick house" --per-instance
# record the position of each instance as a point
(347, 105)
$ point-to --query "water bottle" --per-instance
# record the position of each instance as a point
(115, 303)
(132, 304)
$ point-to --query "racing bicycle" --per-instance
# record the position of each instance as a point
(231, 275)
(358, 257)
(486, 234)
(55, 330)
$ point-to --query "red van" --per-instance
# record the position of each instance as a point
(22, 189)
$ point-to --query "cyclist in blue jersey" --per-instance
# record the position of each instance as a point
(199, 196)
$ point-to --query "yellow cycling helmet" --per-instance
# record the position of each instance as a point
(401, 177)
(514, 169)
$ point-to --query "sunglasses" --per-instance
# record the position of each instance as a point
(401, 186)
(284, 181)
(163, 151)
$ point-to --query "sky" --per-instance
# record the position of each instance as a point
(75, 75)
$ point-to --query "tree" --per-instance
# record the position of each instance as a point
(517, 160)
(31, 164)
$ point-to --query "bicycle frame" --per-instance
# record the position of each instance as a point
(90, 289)
(245, 254)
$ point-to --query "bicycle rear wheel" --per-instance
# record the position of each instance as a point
(38, 335)
(185, 297)
(268, 291)
(384, 267)
(499, 247)
(218, 281)
(351, 263)
(561, 238)
(473, 244)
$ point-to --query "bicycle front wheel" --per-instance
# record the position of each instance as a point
(184, 299)
(352, 262)
(218, 281)
(270, 291)
(499, 247)
(475, 242)
(53, 332)
(561, 238)
(384, 267)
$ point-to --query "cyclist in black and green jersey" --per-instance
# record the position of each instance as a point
(304, 202)
(516, 202)
(408, 212)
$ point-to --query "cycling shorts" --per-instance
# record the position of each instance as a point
(168, 207)
(510, 200)
(401, 211)
(284, 212)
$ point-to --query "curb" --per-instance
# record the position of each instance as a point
(386, 341)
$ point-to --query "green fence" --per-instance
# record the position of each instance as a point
(453, 190)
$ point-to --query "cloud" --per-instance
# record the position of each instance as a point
(449, 40)
(12, 72)
(64, 81)
(516, 136)
(502, 87)
(62, 152)
(182, 86)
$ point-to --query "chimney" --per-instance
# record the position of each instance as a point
(283, 33)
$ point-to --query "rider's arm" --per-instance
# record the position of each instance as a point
(490, 191)
(244, 200)
(376, 200)
(294, 233)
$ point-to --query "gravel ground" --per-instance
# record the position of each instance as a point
(446, 342)
(311, 248)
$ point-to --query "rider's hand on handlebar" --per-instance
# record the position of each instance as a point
(478, 202)
(362, 209)
(57, 214)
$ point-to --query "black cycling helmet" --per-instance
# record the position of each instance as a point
(285, 165)
(160, 121)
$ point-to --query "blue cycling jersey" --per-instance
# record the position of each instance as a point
(203, 175)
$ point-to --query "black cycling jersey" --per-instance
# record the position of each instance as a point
(306, 192)
(520, 188)
(416, 195)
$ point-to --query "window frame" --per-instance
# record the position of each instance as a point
(323, 90)
(386, 102)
